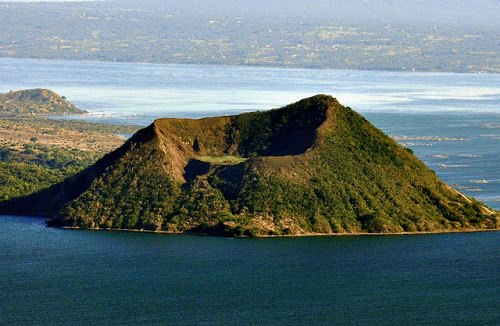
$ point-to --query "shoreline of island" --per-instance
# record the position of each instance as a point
(311, 234)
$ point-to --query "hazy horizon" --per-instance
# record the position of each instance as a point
(446, 12)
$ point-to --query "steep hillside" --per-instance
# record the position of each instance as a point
(35, 102)
(313, 167)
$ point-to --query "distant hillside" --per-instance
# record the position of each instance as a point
(313, 167)
(35, 102)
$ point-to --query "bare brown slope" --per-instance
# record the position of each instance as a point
(184, 139)
(276, 133)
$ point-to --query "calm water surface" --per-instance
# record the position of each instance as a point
(139, 93)
(52, 276)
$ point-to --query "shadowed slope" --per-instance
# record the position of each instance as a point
(311, 167)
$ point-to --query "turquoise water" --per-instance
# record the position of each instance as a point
(55, 277)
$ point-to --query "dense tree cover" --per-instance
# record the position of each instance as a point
(342, 176)
(35, 167)
(141, 195)
(19, 179)
(200, 203)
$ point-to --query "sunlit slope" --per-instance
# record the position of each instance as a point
(37, 101)
(314, 166)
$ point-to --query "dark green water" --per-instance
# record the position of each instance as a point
(53, 276)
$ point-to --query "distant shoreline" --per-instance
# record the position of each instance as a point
(262, 66)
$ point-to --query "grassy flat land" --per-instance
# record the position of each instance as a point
(223, 160)
(62, 133)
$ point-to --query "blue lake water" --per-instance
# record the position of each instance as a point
(142, 92)
(59, 277)
(451, 121)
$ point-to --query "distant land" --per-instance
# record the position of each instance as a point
(35, 102)
(313, 167)
(37, 151)
(445, 36)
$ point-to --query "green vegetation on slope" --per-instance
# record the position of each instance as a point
(34, 167)
(315, 167)
(141, 194)
(277, 132)
(362, 181)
